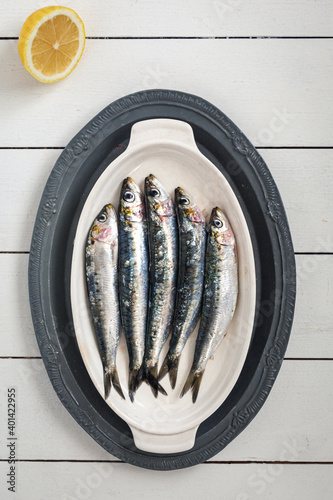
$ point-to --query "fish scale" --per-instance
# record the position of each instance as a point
(219, 297)
(102, 283)
(163, 237)
(133, 274)
(192, 237)
(163, 249)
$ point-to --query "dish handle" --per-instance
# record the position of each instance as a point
(175, 131)
(169, 443)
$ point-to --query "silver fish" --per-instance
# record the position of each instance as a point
(192, 239)
(162, 239)
(219, 298)
(133, 274)
(102, 281)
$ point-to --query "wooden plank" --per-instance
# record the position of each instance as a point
(256, 82)
(213, 18)
(304, 178)
(289, 103)
(76, 481)
(294, 424)
(23, 176)
(17, 333)
(305, 181)
(311, 335)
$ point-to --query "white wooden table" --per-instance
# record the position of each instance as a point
(268, 66)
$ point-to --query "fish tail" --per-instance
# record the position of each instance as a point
(196, 386)
(188, 384)
(111, 379)
(139, 378)
(149, 375)
(152, 380)
(133, 383)
(170, 365)
(164, 368)
(193, 382)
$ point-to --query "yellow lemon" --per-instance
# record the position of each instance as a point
(51, 43)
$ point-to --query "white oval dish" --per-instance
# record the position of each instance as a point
(167, 149)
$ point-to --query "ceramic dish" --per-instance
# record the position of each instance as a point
(167, 424)
(194, 144)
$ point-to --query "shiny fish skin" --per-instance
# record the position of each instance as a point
(192, 239)
(102, 282)
(133, 274)
(162, 239)
(219, 299)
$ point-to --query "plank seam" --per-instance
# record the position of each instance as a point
(293, 147)
(19, 252)
(266, 462)
(308, 359)
(211, 462)
(313, 253)
(20, 357)
(236, 37)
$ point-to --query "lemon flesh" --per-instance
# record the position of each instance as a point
(51, 43)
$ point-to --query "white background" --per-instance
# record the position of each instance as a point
(268, 66)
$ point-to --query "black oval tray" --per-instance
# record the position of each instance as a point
(75, 172)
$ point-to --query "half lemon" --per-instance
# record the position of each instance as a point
(51, 43)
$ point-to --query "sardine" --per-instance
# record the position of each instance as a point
(219, 297)
(133, 274)
(102, 281)
(162, 239)
(192, 239)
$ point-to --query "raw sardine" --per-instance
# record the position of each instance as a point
(133, 274)
(162, 239)
(219, 298)
(102, 281)
(192, 238)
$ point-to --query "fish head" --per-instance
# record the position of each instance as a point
(220, 229)
(132, 203)
(105, 228)
(158, 199)
(186, 207)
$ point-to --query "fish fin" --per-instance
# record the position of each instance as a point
(164, 368)
(139, 378)
(196, 386)
(111, 378)
(170, 365)
(107, 384)
(188, 384)
(132, 383)
(173, 371)
(151, 379)
(193, 382)
(149, 375)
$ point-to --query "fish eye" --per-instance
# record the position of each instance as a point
(184, 201)
(154, 192)
(218, 223)
(101, 218)
(128, 196)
